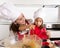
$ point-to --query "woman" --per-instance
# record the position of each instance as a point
(15, 27)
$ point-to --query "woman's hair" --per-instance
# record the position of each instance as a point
(15, 27)
(37, 20)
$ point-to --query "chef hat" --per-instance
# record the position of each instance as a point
(9, 11)
(38, 13)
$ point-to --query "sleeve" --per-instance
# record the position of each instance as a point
(43, 30)
(32, 32)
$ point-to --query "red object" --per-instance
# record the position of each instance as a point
(57, 42)
(20, 36)
(45, 43)
(39, 32)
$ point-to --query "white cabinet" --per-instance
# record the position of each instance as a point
(54, 34)
(59, 14)
(4, 31)
(50, 14)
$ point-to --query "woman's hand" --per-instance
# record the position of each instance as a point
(24, 27)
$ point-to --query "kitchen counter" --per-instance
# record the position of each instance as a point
(8, 43)
(11, 43)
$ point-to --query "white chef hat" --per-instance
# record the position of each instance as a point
(38, 13)
(9, 11)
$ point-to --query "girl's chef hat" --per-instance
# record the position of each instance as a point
(9, 11)
(38, 13)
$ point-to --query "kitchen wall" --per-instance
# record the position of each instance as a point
(28, 11)
(31, 7)
(49, 14)
(42, 2)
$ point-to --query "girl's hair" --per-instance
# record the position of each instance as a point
(15, 27)
(37, 20)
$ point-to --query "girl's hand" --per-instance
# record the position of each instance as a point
(49, 34)
(32, 27)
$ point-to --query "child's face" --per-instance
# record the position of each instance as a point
(38, 21)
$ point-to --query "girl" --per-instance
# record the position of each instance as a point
(40, 31)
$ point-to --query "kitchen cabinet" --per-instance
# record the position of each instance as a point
(4, 31)
(54, 33)
(49, 14)
(4, 22)
(59, 14)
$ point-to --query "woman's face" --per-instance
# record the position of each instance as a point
(21, 19)
(38, 22)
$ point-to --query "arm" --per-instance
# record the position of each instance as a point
(24, 27)
(48, 33)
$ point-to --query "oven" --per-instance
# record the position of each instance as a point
(54, 30)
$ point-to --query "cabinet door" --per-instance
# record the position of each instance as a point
(4, 31)
(55, 34)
